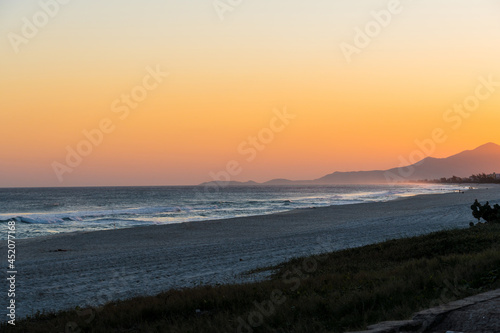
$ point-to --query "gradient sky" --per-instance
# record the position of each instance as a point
(225, 79)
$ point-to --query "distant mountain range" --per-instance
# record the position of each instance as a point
(484, 159)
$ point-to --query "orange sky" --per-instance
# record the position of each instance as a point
(227, 78)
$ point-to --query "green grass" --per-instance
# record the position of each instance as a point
(340, 291)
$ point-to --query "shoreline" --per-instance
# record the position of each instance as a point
(100, 266)
(211, 219)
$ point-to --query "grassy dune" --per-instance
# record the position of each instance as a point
(339, 291)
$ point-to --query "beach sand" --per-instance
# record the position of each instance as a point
(96, 267)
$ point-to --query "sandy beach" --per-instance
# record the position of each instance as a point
(81, 269)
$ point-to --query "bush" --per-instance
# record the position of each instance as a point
(486, 212)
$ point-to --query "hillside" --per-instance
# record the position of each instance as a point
(483, 159)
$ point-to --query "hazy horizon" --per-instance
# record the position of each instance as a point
(218, 180)
(159, 93)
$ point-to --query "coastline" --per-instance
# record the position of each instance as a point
(100, 266)
(96, 209)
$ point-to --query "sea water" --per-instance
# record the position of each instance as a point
(46, 211)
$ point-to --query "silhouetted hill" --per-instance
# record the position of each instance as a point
(483, 159)
(281, 181)
(230, 183)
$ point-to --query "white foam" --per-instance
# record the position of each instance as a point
(53, 218)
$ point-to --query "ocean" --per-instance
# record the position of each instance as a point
(45, 211)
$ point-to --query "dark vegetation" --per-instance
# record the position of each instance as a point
(486, 212)
(481, 178)
(339, 291)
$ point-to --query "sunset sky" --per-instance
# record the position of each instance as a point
(65, 69)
